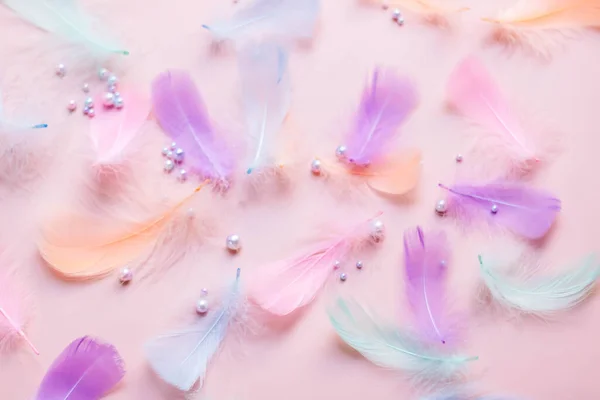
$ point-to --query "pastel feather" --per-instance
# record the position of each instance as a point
(63, 18)
(279, 20)
(85, 370)
(541, 295)
(9, 125)
(395, 175)
(183, 116)
(14, 315)
(181, 358)
(385, 105)
(527, 212)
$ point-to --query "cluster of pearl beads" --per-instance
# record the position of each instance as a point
(112, 97)
(316, 167)
(397, 17)
(202, 304)
(174, 156)
(343, 276)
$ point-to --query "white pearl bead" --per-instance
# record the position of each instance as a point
(61, 70)
(72, 106)
(169, 165)
(377, 231)
(112, 80)
(103, 74)
(190, 213)
(459, 158)
(89, 102)
(400, 20)
(179, 154)
(108, 99)
(336, 264)
(343, 277)
(170, 155)
(441, 207)
(91, 113)
(340, 152)
(396, 14)
(359, 264)
(85, 88)
(494, 209)
(315, 167)
(165, 151)
(125, 276)
(173, 145)
(202, 306)
(119, 102)
(233, 243)
(182, 177)
(204, 291)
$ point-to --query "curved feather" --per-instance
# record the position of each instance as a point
(542, 295)
(181, 358)
(63, 18)
(396, 175)
(85, 370)
(385, 105)
(13, 314)
(389, 347)
(525, 211)
(182, 113)
(266, 95)
(269, 19)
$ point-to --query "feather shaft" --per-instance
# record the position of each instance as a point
(18, 329)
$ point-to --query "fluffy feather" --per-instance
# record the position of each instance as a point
(389, 347)
(63, 18)
(181, 358)
(386, 103)
(473, 94)
(541, 295)
(289, 284)
(111, 131)
(85, 370)
(14, 315)
(182, 113)
(525, 211)
(266, 95)
(426, 260)
(281, 20)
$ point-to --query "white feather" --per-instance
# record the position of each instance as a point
(181, 358)
(543, 295)
(63, 18)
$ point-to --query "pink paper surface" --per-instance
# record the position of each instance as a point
(301, 358)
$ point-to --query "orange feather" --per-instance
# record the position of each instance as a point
(397, 176)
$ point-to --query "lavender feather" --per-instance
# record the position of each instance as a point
(85, 370)
(384, 106)
(525, 211)
(426, 266)
(182, 113)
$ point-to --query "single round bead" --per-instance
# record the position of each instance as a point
(315, 167)
(61, 70)
(340, 152)
(459, 158)
(400, 20)
(377, 231)
(182, 177)
(233, 243)
(179, 154)
(86, 110)
(336, 264)
(169, 165)
(173, 145)
(202, 306)
(443, 263)
(125, 276)
(190, 213)
(103, 74)
(494, 209)
(359, 264)
(170, 155)
(72, 106)
(112, 80)
(204, 291)
(85, 88)
(119, 102)
(396, 14)
(165, 151)
(89, 102)
(343, 276)
(108, 99)
(441, 207)
(91, 113)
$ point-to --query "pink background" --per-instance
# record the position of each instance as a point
(302, 358)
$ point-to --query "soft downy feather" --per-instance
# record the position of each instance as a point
(85, 370)
(266, 96)
(432, 12)
(389, 347)
(63, 18)
(538, 25)
(14, 313)
(274, 20)
(541, 296)
(181, 358)
(182, 114)
(287, 285)
(525, 211)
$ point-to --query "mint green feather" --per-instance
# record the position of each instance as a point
(392, 348)
(63, 18)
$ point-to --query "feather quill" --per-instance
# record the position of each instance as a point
(541, 295)
(525, 211)
(388, 347)
(281, 20)
(287, 285)
(85, 370)
(13, 314)
(112, 131)
(426, 260)
(63, 18)
(181, 358)
(266, 96)
(473, 94)
(182, 113)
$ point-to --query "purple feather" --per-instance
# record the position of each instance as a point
(85, 370)
(525, 211)
(384, 106)
(426, 264)
(182, 114)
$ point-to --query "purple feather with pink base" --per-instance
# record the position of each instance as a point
(182, 114)
(525, 211)
(85, 370)
(384, 106)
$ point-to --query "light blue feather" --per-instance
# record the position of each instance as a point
(392, 348)
(63, 18)
(7, 124)
(541, 295)
(181, 358)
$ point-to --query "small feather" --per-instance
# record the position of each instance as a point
(391, 348)
(386, 103)
(541, 295)
(85, 370)
(63, 18)
(182, 113)
(266, 95)
(525, 211)
(280, 20)
(181, 358)
(14, 315)
(395, 175)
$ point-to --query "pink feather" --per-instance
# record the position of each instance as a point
(13, 314)
(112, 130)
(290, 284)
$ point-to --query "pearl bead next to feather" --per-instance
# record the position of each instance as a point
(169, 165)
(179, 155)
(359, 264)
(182, 177)
(494, 209)
(441, 207)
(125, 276)
(202, 306)
(377, 231)
(61, 70)
(233, 243)
(336, 264)
(343, 277)
(119, 102)
(85, 88)
(340, 152)
(108, 99)
(103, 74)
(204, 292)
(72, 106)
(315, 167)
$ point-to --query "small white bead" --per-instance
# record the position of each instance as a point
(359, 264)
(108, 99)
(111, 88)
(315, 167)
(233, 243)
(173, 145)
(61, 70)
(179, 154)
(396, 14)
(204, 291)
(72, 106)
(340, 152)
(459, 158)
(89, 102)
(494, 209)
(91, 113)
(125, 276)
(190, 213)
(441, 207)
(103, 74)
(112, 80)
(400, 20)
(119, 102)
(202, 306)
(182, 177)
(377, 231)
(169, 165)
(336, 264)
(165, 151)
(343, 277)
(85, 88)
(170, 154)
